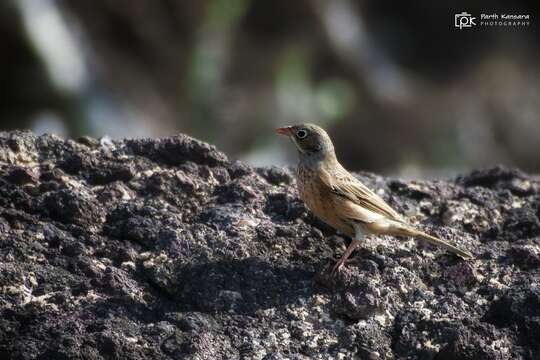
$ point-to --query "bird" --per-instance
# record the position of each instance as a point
(342, 201)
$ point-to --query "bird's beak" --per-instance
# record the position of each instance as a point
(284, 131)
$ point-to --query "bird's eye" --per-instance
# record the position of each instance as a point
(301, 134)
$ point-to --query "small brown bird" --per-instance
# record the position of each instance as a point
(341, 200)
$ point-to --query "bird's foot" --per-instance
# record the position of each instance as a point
(354, 243)
(337, 267)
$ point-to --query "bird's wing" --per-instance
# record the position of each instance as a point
(343, 184)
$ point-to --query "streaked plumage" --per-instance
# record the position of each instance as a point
(341, 200)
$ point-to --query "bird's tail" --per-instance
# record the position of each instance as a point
(407, 231)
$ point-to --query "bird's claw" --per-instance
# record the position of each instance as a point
(337, 268)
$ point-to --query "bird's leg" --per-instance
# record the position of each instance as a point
(354, 243)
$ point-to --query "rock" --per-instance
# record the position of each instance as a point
(526, 254)
(521, 223)
(21, 176)
(164, 248)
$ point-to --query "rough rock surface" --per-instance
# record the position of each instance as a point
(166, 249)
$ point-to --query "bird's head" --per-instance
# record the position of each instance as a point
(310, 140)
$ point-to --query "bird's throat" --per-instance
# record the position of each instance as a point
(318, 159)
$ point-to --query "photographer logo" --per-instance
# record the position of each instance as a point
(501, 20)
(464, 20)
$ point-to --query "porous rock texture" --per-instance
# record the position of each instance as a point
(164, 248)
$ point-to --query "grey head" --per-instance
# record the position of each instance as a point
(312, 142)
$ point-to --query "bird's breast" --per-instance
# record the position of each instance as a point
(320, 200)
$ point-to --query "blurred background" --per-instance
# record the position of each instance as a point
(399, 88)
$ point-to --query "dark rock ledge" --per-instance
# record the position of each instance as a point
(166, 249)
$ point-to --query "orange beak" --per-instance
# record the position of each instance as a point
(284, 131)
